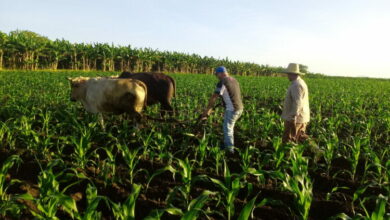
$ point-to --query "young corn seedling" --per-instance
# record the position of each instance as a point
(247, 211)
(379, 170)
(192, 211)
(201, 150)
(127, 209)
(81, 148)
(218, 157)
(246, 157)
(186, 176)
(8, 163)
(299, 182)
(195, 206)
(6, 136)
(230, 188)
(355, 154)
(9, 204)
(378, 214)
(280, 152)
(131, 158)
(187, 179)
(335, 189)
(185, 172)
(380, 210)
(108, 167)
(331, 146)
(51, 198)
(93, 200)
(356, 195)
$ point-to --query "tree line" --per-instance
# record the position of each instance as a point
(27, 50)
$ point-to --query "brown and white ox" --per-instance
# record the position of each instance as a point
(109, 95)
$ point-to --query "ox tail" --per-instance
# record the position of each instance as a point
(174, 85)
(143, 85)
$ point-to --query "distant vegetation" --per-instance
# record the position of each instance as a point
(26, 50)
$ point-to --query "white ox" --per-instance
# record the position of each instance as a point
(109, 95)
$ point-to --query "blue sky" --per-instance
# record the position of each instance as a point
(335, 37)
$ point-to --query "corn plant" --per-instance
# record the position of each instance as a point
(8, 163)
(299, 182)
(380, 209)
(131, 158)
(375, 161)
(6, 136)
(330, 150)
(51, 199)
(247, 210)
(355, 154)
(93, 200)
(218, 157)
(230, 188)
(108, 167)
(190, 213)
(195, 206)
(335, 189)
(246, 157)
(10, 204)
(357, 194)
(378, 214)
(81, 148)
(127, 209)
(187, 179)
(280, 152)
(201, 150)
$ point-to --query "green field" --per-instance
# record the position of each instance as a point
(58, 162)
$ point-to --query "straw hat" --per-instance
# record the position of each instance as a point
(293, 68)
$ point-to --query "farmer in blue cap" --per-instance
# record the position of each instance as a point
(229, 89)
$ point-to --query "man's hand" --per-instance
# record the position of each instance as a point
(209, 108)
(203, 118)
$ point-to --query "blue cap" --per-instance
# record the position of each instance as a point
(220, 69)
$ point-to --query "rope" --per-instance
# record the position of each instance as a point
(172, 120)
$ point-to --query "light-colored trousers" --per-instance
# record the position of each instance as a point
(294, 132)
(229, 121)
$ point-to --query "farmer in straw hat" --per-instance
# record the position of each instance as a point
(296, 111)
(229, 89)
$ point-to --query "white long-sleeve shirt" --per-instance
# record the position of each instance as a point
(296, 104)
